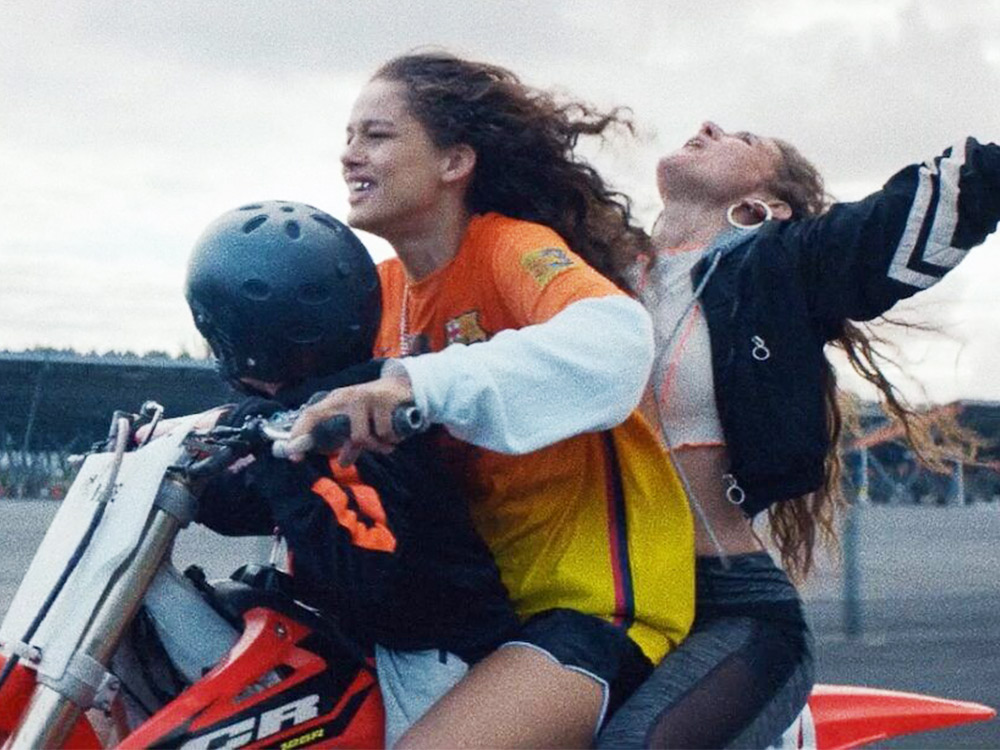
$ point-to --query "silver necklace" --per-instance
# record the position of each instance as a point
(405, 344)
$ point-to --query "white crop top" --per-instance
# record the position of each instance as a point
(682, 380)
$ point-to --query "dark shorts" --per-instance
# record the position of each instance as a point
(589, 645)
(742, 675)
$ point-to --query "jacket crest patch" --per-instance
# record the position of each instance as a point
(545, 265)
(465, 329)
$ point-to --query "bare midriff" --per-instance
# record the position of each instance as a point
(705, 468)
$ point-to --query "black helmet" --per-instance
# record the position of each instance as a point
(283, 291)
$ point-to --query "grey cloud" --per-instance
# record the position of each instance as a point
(862, 101)
(127, 126)
(270, 37)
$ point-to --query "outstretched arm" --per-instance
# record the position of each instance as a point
(861, 258)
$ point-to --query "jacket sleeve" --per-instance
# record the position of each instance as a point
(859, 259)
(268, 493)
(232, 503)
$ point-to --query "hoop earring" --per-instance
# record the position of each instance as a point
(768, 213)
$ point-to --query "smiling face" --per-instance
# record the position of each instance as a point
(717, 166)
(394, 172)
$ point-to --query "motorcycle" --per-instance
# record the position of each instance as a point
(107, 644)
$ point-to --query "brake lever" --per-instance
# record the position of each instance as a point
(223, 446)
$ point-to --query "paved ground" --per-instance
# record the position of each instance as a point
(930, 597)
(929, 593)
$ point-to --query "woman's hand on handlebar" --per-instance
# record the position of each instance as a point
(370, 408)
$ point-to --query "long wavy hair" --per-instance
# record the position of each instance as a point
(525, 140)
(797, 525)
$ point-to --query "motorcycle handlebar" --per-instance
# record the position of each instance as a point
(328, 436)
(274, 432)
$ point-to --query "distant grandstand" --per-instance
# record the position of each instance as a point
(53, 403)
(59, 401)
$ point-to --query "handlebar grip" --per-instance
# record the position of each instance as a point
(328, 436)
(213, 464)
(407, 420)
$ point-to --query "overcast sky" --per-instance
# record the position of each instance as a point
(127, 126)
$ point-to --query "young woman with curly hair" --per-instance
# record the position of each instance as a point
(752, 274)
(533, 362)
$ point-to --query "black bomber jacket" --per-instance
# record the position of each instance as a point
(775, 296)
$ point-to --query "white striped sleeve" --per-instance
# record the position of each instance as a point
(583, 370)
(924, 254)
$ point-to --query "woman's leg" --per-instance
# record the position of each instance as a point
(739, 679)
(516, 697)
(411, 682)
(730, 685)
(550, 688)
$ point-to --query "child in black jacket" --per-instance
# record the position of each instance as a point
(289, 301)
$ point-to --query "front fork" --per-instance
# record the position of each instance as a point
(55, 706)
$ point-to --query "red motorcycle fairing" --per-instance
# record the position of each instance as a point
(312, 704)
(846, 716)
(14, 697)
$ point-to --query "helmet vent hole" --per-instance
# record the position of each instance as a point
(327, 222)
(314, 294)
(251, 207)
(292, 229)
(305, 334)
(287, 209)
(256, 289)
(255, 222)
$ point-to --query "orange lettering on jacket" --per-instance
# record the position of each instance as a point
(337, 492)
